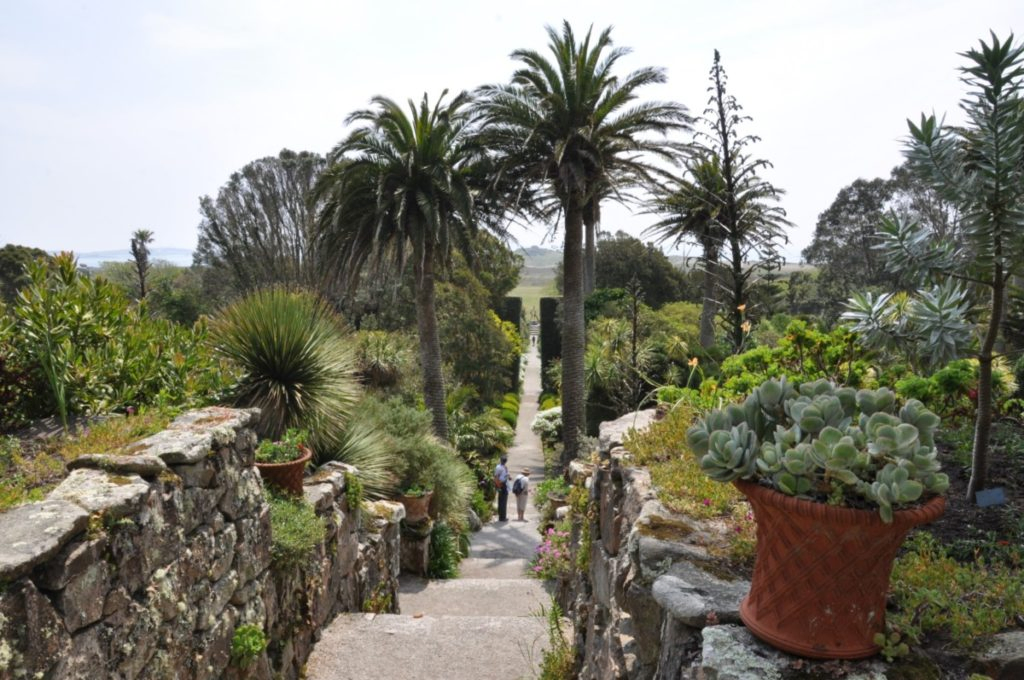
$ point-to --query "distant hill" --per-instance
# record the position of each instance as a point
(181, 257)
(540, 258)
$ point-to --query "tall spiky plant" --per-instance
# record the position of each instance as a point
(751, 221)
(979, 168)
(296, 364)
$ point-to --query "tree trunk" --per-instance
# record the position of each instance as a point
(983, 422)
(707, 311)
(430, 345)
(573, 333)
(591, 220)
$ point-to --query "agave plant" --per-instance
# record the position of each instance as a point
(297, 365)
(824, 442)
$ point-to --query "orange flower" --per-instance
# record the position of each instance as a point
(742, 308)
(693, 362)
(745, 326)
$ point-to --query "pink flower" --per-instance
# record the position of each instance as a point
(707, 502)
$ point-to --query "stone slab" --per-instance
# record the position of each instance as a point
(144, 465)
(473, 597)
(177, 447)
(359, 646)
(32, 533)
(611, 433)
(97, 491)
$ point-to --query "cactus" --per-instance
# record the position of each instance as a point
(822, 441)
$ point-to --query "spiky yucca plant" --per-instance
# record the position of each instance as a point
(297, 366)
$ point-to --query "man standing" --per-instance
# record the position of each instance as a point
(501, 481)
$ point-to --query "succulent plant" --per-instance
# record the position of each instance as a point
(824, 442)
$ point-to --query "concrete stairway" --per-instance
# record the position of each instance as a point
(485, 624)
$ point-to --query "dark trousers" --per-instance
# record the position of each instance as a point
(503, 503)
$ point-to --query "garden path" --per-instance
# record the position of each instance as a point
(482, 625)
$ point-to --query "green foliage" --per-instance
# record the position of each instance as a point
(383, 358)
(420, 459)
(297, 532)
(13, 269)
(559, 659)
(551, 485)
(288, 448)
(444, 552)
(824, 442)
(483, 508)
(258, 230)
(935, 595)
(803, 354)
(682, 485)
(380, 601)
(353, 492)
(247, 643)
(296, 364)
(622, 258)
(74, 345)
(368, 449)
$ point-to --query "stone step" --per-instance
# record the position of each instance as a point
(485, 597)
(399, 647)
(494, 567)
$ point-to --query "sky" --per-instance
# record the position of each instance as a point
(117, 116)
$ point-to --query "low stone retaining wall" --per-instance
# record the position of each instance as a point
(143, 565)
(653, 606)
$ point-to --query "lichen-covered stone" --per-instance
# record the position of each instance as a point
(109, 494)
(201, 474)
(388, 512)
(1003, 656)
(320, 496)
(691, 594)
(82, 599)
(32, 634)
(144, 465)
(32, 533)
(612, 433)
(177, 447)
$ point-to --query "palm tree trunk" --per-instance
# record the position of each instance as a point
(430, 345)
(983, 422)
(591, 218)
(707, 311)
(573, 333)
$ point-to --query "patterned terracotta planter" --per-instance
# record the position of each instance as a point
(286, 476)
(822, 572)
(416, 507)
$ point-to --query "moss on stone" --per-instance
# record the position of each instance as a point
(664, 528)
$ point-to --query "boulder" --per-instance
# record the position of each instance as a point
(612, 433)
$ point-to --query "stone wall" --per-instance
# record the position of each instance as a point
(143, 565)
(653, 605)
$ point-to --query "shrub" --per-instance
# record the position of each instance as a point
(75, 345)
(297, 532)
(247, 643)
(559, 659)
(547, 425)
(481, 506)
(552, 485)
(444, 552)
(553, 559)
(934, 594)
(296, 364)
(283, 450)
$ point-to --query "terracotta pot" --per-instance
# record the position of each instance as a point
(286, 476)
(416, 507)
(822, 572)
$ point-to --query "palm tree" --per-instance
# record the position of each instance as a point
(562, 130)
(692, 207)
(396, 190)
(140, 254)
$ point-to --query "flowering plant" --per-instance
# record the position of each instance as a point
(552, 559)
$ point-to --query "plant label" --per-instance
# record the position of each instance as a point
(989, 497)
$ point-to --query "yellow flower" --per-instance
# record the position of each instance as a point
(693, 362)
(745, 326)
